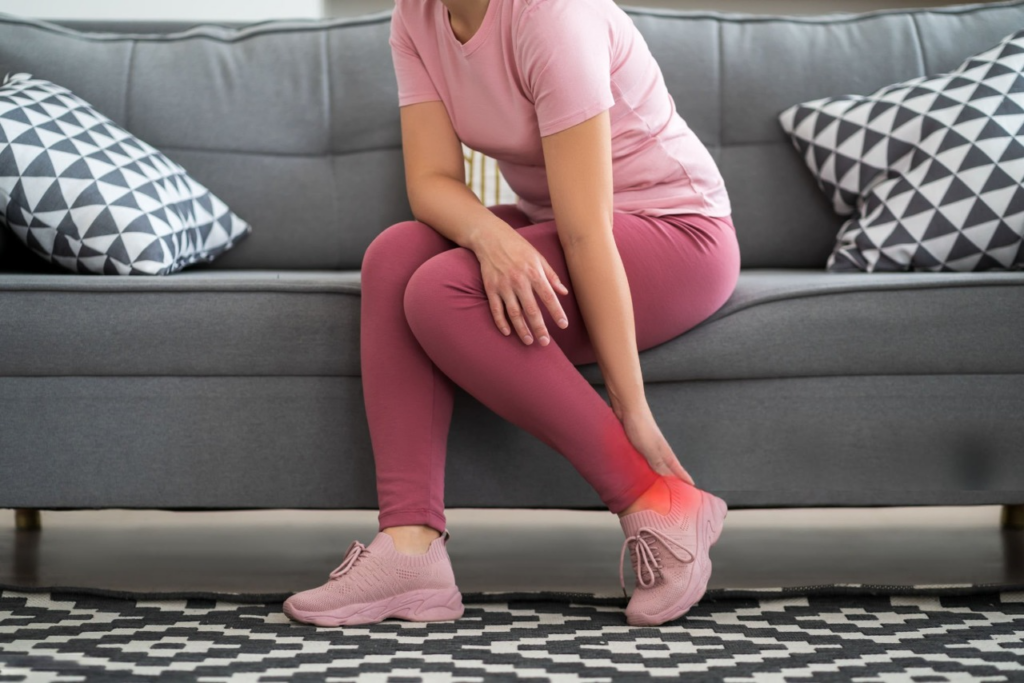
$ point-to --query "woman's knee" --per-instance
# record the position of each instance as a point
(385, 245)
(441, 278)
(401, 247)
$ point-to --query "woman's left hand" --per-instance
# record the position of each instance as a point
(646, 437)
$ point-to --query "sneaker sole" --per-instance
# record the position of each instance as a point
(713, 511)
(418, 605)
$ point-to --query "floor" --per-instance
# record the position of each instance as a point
(280, 551)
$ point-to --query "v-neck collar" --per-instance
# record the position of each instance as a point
(477, 38)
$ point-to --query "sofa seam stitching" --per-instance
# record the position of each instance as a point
(330, 156)
(721, 89)
(920, 45)
(53, 27)
(287, 155)
(126, 114)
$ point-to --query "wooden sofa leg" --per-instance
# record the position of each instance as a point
(27, 519)
(1013, 517)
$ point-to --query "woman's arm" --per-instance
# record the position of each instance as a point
(579, 170)
(512, 269)
(435, 177)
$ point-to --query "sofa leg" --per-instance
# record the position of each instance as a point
(1013, 517)
(27, 519)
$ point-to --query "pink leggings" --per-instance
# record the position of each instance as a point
(426, 326)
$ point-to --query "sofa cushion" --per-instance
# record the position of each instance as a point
(931, 169)
(777, 323)
(83, 193)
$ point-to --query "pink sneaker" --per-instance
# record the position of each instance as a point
(376, 581)
(670, 557)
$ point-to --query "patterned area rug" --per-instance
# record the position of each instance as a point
(860, 633)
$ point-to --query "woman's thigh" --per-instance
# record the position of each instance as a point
(680, 270)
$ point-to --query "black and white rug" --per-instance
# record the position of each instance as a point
(862, 633)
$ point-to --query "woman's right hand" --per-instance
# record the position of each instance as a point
(513, 272)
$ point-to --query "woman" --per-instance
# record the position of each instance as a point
(620, 240)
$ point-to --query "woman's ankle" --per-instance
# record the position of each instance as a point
(412, 539)
(657, 497)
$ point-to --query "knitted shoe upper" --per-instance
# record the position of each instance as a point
(667, 554)
(378, 571)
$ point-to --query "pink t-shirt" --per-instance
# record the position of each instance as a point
(536, 67)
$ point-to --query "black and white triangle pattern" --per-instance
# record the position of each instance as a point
(83, 193)
(840, 633)
(931, 169)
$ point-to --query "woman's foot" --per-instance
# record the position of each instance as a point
(377, 581)
(669, 553)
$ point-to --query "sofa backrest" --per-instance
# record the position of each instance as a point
(295, 123)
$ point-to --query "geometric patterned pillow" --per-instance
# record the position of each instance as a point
(83, 193)
(931, 169)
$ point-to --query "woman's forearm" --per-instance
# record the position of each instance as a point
(595, 266)
(451, 207)
(602, 292)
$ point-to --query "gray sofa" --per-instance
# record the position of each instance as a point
(236, 384)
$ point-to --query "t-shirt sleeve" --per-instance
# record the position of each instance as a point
(563, 50)
(414, 84)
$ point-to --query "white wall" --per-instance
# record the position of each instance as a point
(201, 10)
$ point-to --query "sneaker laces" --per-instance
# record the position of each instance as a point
(352, 554)
(646, 558)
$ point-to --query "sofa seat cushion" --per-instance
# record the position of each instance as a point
(778, 323)
(812, 323)
(199, 321)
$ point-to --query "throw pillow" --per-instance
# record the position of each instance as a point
(82, 192)
(931, 169)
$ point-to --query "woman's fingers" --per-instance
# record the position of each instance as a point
(519, 302)
(512, 295)
(539, 284)
(525, 312)
(497, 307)
(550, 299)
(515, 314)
(531, 309)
